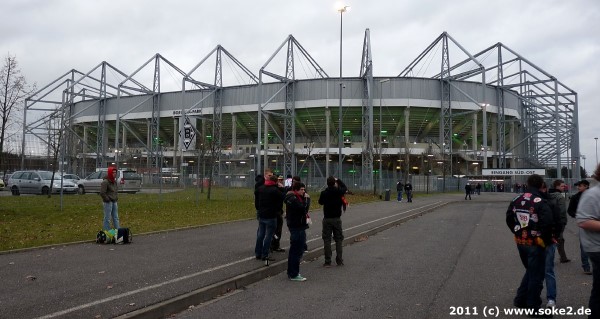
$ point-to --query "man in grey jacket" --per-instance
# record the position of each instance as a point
(588, 219)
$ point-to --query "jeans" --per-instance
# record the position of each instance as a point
(264, 234)
(297, 242)
(111, 212)
(550, 277)
(585, 260)
(275, 242)
(534, 260)
(594, 303)
(333, 225)
(561, 247)
(409, 196)
(399, 196)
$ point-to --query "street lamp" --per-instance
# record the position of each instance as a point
(341, 8)
(380, 130)
(596, 152)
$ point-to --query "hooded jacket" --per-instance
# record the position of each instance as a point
(295, 206)
(557, 198)
(108, 187)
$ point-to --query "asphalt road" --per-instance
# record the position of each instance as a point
(460, 254)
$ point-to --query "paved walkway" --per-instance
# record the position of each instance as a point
(459, 254)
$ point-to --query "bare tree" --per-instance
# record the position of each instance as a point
(13, 90)
(55, 131)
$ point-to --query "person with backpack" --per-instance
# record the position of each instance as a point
(331, 199)
(530, 219)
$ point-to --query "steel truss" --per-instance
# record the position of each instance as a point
(545, 134)
(93, 86)
(288, 81)
(366, 73)
(215, 90)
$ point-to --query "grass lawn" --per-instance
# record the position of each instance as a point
(31, 221)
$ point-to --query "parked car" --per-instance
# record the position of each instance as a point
(39, 182)
(128, 181)
(1, 185)
(72, 178)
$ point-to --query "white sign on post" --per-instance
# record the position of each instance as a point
(512, 171)
(187, 133)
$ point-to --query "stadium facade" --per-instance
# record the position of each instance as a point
(449, 114)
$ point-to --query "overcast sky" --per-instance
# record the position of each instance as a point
(51, 37)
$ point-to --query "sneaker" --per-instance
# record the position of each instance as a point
(327, 265)
(551, 304)
(279, 250)
(298, 278)
(587, 271)
(565, 260)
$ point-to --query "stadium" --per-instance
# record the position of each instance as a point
(447, 118)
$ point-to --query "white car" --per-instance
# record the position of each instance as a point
(39, 182)
(71, 178)
(128, 181)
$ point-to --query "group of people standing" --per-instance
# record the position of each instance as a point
(270, 196)
(537, 218)
(406, 188)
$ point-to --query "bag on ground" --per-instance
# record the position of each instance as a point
(114, 236)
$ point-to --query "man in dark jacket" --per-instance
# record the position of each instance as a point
(557, 196)
(295, 205)
(268, 201)
(399, 189)
(408, 190)
(468, 191)
(530, 219)
(331, 199)
(260, 180)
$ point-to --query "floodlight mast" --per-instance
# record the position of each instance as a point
(341, 8)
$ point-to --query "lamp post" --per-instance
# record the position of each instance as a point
(380, 130)
(341, 9)
(583, 158)
(596, 152)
